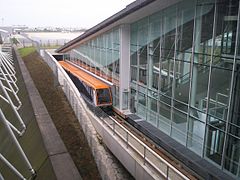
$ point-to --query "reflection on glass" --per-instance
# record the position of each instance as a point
(214, 144)
(182, 65)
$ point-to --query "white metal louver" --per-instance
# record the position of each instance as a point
(8, 94)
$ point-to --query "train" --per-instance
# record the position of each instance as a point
(92, 89)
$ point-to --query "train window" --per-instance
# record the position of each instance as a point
(103, 96)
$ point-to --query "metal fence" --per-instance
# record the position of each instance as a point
(160, 168)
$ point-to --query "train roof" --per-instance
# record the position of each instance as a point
(87, 78)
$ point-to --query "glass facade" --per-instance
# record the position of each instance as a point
(185, 77)
(185, 74)
(100, 56)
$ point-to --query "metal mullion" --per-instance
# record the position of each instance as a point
(174, 70)
(137, 84)
(183, 112)
(160, 67)
(231, 89)
(138, 64)
(147, 67)
(191, 71)
(112, 52)
(210, 73)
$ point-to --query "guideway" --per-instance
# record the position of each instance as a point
(139, 159)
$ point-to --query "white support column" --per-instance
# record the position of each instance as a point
(124, 81)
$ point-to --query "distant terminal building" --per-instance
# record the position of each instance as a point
(175, 68)
(7, 31)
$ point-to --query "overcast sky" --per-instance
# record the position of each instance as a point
(60, 13)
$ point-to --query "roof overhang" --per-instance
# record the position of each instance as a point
(4, 31)
(133, 12)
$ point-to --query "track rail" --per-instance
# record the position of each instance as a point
(153, 146)
(152, 162)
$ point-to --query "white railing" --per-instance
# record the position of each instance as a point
(159, 167)
(8, 94)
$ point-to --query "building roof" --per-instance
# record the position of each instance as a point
(136, 5)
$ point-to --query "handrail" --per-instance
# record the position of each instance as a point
(73, 94)
(147, 147)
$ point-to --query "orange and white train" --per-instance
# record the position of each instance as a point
(91, 88)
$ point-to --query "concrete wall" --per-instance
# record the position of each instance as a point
(108, 165)
(94, 127)
(125, 155)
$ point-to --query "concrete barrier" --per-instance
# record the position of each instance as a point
(108, 165)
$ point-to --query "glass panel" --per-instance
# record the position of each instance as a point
(109, 50)
(164, 123)
(115, 95)
(232, 157)
(133, 52)
(154, 49)
(134, 73)
(185, 19)
(185, 29)
(199, 86)
(219, 93)
(142, 99)
(196, 130)
(165, 110)
(141, 108)
(153, 104)
(238, 44)
(235, 104)
(142, 42)
(182, 83)
(152, 117)
(133, 101)
(103, 96)
(125, 101)
(214, 144)
(167, 50)
(180, 106)
(162, 58)
(179, 124)
(227, 12)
